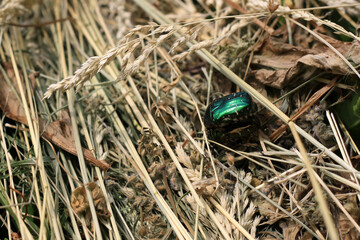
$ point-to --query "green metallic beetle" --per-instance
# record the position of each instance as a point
(233, 109)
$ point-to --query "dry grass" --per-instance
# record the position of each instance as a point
(139, 105)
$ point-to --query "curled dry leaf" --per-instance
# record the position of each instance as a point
(58, 132)
(278, 64)
(80, 202)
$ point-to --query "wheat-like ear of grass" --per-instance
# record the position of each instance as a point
(126, 46)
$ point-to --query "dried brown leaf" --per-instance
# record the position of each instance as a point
(58, 132)
(283, 65)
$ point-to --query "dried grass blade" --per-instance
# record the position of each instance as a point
(35, 138)
(313, 99)
(322, 204)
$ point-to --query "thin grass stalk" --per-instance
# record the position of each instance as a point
(35, 183)
(343, 180)
(23, 229)
(325, 7)
(337, 202)
(83, 169)
(178, 228)
(72, 188)
(25, 65)
(34, 134)
(113, 72)
(68, 166)
(129, 232)
(327, 151)
(340, 142)
(322, 204)
(115, 229)
(42, 232)
(187, 134)
(70, 209)
(164, 141)
(157, 130)
(201, 151)
(70, 95)
(338, 85)
(12, 198)
(65, 192)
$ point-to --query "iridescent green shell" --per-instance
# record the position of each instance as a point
(228, 109)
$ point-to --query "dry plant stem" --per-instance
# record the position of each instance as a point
(34, 134)
(322, 204)
(68, 206)
(343, 180)
(114, 227)
(338, 137)
(70, 97)
(196, 227)
(346, 132)
(156, 194)
(288, 26)
(23, 229)
(278, 176)
(283, 174)
(231, 219)
(309, 103)
(157, 130)
(338, 203)
(83, 169)
(339, 85)
(202, 159)
(291, 196)
(38, 24)
(67, 165)
(260, 193)
(340, 143)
